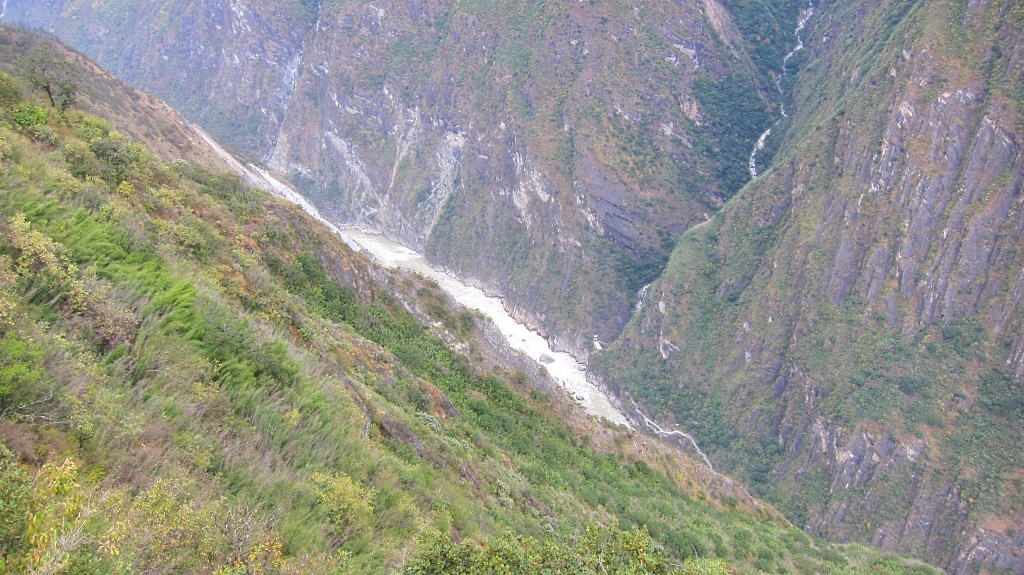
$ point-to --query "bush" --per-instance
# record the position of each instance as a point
(602, 550)
(81, 161)
(10, 91)
(28, 116)
(20, 373)
(15, 503)
(964, 335)
(1002, 395)
(346, 503)
(910, 384)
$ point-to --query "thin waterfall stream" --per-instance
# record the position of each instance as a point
(805, 16)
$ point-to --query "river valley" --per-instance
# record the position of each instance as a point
(562, 366)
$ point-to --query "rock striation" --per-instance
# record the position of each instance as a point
(847, 333)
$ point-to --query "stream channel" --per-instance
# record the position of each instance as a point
(805, 16)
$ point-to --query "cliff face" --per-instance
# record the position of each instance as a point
(552, 152)
(847, 332)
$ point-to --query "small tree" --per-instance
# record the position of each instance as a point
(46, 70)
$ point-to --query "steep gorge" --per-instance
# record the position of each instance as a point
(548, 152)
(199, 378)
(847, 332)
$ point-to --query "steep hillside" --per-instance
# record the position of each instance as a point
(552, 152)
(847, 333)
(144, 118)
(198, 378)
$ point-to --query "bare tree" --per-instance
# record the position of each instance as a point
(47, 70)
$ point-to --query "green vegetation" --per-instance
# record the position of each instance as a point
(600, 550)
(911, 387)
(46, 70)
(800, 343)
(195, 378)
(740, 116)
(768, 27)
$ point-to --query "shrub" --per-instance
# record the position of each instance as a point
(346, 504)
(20, 373)
(15, 503)
(28, 116)
(10, 91)
(81, 161)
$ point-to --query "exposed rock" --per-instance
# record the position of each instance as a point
(848, 326)
(400, 432)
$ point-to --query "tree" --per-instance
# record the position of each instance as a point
(46, 70)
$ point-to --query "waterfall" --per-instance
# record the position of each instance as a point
(641, 296)
(653, 426)
(805, 16)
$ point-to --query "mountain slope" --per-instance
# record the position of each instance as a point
(195, 377)
(146, 119)
(847, 332)
(552, 152)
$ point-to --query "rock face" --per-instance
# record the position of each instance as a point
(848, 332)
(552, 153)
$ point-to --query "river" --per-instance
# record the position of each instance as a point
(563, 367)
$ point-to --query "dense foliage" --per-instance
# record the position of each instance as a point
(768, 27)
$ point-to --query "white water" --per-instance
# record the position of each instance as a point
(641, 296)
(805, 16)
(564, 368)
(570, 373)
(653, 425)
(752, 163)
